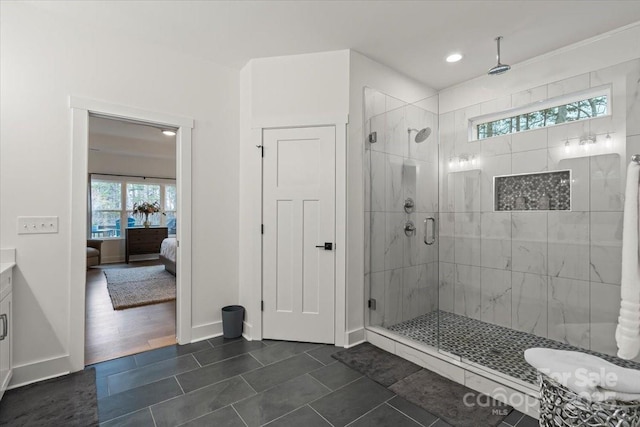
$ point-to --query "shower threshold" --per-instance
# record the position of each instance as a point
(484, 344)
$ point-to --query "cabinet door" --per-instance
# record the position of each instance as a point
(5, 344)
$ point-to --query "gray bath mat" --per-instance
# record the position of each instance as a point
(65, 401)
(133, 287)
(379, 365)
(446, 399)
(432, 392)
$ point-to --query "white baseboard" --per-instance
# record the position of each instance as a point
(355, 337)
(38, 371)
(246, 331)
(206, 331)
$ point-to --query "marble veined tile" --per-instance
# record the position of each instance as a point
(529, 96)
(633, 100)
(606, 247)
(467, 238)
(529, 234)
(467, 295)
(568, 86)
(462, 118)
(529, 140)
(446, 235)
(378, 181)
(490, 168)
(569, 245)
(495, 245)
(496, 146)
(393, 193)
(394, 240)
(569, 304)
(378, 241)
(529, 296)
(415, 291)
(446, 286)
(392, 296)
(607, 187)
(467, 191)
(580, 179)
(415, 251)
(495, 296)
(397, 136)
(529, 161)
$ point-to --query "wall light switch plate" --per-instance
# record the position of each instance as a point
(37, 224)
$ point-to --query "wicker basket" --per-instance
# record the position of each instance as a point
(560, 406)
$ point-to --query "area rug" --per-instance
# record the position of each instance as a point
(381, 366)
(434, 393)
(65, 401)
(133, 287)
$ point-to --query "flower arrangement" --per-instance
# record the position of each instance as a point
(146, 209)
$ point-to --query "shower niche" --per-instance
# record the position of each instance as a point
(545, 191)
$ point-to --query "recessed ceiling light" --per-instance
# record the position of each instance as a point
(454, 57)
(169, 132)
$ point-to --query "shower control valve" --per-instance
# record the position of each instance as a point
(409, 229)
(409, 205)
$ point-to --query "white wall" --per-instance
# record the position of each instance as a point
(43, 61)
(279, 91)
(366, 72)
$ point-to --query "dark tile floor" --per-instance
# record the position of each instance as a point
(222, 382)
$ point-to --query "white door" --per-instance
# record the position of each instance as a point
(299, 215)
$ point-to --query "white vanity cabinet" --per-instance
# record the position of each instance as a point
(6, 324)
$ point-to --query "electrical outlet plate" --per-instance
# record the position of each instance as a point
(37, 224)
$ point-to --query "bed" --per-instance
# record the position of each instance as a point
(168, 254)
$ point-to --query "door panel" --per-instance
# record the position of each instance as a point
(298, 215)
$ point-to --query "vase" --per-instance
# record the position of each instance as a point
(146, 224)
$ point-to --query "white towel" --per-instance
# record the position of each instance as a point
(628, 329)
(588, 376)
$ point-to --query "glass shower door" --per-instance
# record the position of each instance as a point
(401, 206)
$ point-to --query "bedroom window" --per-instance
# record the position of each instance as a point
(170, 203)
(112, 200)
(106, 208)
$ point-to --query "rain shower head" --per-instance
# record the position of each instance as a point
(499, 68)
(421, 135)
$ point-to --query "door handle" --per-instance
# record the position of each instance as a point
(5, 326)
(431, 241)
(327, 246)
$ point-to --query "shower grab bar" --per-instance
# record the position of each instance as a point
(433, 231)
(636, 158)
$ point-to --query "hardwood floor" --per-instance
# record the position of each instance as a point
(110, 333)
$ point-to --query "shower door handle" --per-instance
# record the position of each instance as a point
(433, 230)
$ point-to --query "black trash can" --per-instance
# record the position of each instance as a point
(232, 317)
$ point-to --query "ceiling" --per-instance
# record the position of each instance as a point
(129, 139)
(410, 36)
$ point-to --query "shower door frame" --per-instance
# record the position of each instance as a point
(420, 218)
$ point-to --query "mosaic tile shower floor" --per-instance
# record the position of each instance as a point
(495, 347)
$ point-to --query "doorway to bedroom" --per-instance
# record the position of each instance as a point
(130, 300)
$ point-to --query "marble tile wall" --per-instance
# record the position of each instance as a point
(553, 274)
(401, 270)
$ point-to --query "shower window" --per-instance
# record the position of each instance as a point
(586, 106)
